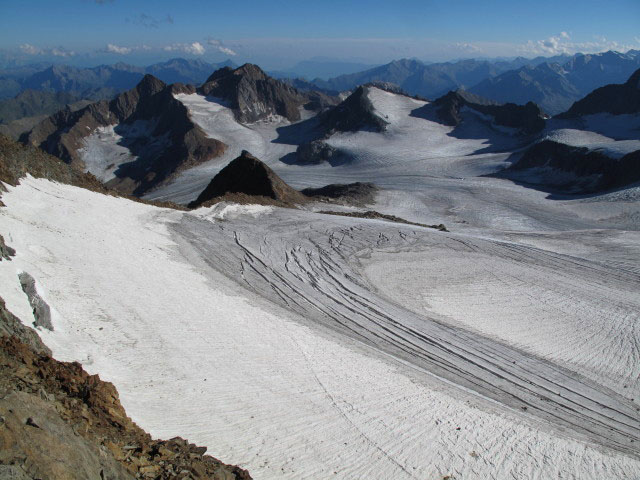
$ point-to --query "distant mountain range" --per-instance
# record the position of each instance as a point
(430, 80)
(103, 81)
(33, 91)
(554, 83)
(555, 86)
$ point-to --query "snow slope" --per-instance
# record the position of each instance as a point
(411, 147)
(252, 331)
(594, 141)
(218, 122)
(109, 147)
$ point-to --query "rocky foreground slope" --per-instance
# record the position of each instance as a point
(56, 420)
(59, 422)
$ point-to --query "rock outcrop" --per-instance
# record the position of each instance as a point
(41, 309)
(248, 176)
(356, 112)
(315, 152)
(614, 99)
(357, 193)
(253, 95)
(151, 101)
(6, 252)
(574, 169)
(16, 160)
(527, 118)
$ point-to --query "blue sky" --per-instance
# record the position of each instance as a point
(278, 33)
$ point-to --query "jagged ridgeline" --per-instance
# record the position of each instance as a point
(153, 136)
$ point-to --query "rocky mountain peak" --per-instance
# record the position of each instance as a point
(150, 85)
(249, 176)
(634, 79)
(254, 95)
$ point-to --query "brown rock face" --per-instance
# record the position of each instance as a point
(16, 160)
(151, 100)
(248, 175)
(253, 95)
(59, 422)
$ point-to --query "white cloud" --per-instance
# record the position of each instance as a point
(55, 51)
(218, 45)
(195, 48)
(226, 51)
(467, 47)
(61, 52)
(111, 48)
(30, 49)
(562, 44)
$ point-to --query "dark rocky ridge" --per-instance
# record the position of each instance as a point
(315, 152)
(356, 112)
(590, 171)
(616, 99)
(352, 193)
(6, 252)
(253, 95)
(527, 118)
(17, 160)
(373, 215)
(41, 309)
(151, 100)
(249, 176)
(59, 422)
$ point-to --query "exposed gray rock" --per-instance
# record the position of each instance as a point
(6, 252)
(351, 194)
(573, 169)
(527, 118)
(253, 95)
(11, 325)
(356, 112)
(41, 310)
(315, 152)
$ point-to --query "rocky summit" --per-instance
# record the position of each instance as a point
(248, 176)
(527, 118)
(150, 104)
(253, 95)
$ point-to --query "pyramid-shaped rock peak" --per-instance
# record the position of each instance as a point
(250, 176)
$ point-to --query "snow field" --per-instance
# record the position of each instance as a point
(242, 375)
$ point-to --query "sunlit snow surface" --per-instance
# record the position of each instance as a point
(301, 345)
(245, 329)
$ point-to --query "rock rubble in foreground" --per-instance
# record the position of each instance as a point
(59, 422)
